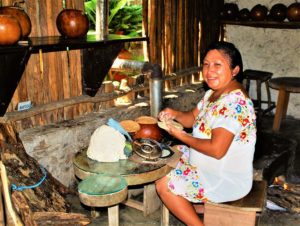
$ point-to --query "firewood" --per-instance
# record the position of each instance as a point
(287, 198)
(21, 205)
(60, 218)
(2, 219)
(11, 216)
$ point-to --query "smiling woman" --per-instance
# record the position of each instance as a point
(216, 164)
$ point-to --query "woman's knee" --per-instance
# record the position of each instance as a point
(161, 185)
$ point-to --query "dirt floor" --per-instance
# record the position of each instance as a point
(132, 217)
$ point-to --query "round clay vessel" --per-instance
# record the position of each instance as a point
(10, 31)
(293, 12)
(130, 126)
(259, 13)
(278, 12)
(230, 11)
(21, 16)
(244, 14)
(72, 23)
(149, 128)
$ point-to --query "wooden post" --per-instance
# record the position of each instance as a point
(11, 216)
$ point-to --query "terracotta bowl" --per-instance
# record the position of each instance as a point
(10, 31)
(149, 128)
(21, 17)
(72, 23)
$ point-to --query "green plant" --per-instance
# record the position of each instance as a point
(123, 17)
(90, 10)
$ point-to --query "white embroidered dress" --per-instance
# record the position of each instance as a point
(199, 177)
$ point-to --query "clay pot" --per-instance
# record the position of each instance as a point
(278, 12)
(149, 128)
(72, 23)
(244, 14)
(230, 11)
(10, 31)
(21, 16)
(259, 13)
(293, 12)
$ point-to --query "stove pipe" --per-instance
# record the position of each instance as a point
(154, 73)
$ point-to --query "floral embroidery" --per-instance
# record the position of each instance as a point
(178, 172)
(233, 106)
(222, 111)
(201, 127)
(243, 135)
(193, 189)
(186, 172)
(238, 108)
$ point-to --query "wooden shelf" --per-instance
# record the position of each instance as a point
(264, 24)
(97, 53)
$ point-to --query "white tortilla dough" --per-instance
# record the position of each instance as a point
(106, 145)
(163, 124)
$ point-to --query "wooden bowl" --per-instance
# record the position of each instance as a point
(10, 31)
(21, 16)
(130, 126)
(72, 23)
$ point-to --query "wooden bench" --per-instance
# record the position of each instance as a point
(242, 212)
(104, 191)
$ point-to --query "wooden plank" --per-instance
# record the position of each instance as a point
(74, 72)
(220, 216)
(151, 200)
(2, 218)
(11, 216)
(60, 218)
(254, 201)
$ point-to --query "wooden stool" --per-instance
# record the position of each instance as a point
(285, 85)
(104, 191)
(260, 77)
(238, 213)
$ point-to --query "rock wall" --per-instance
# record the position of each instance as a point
(54, 146)
(274, 50)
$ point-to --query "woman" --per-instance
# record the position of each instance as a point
(216, 164)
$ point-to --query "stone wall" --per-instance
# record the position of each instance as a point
(54, 146)
(274, 50)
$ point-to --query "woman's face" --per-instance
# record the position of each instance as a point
(216, 70)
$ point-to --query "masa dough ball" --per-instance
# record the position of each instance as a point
(106, 145)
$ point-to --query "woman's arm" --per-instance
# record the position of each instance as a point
(215, 147)
(186, 119)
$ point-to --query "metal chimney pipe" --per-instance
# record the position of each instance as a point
(155, 84)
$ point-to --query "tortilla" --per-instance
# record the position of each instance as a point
(163, 124)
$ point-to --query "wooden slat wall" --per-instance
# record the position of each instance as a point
(49, 76)
(175, 30)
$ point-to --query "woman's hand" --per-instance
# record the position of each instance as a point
(167, 114)
(174, 131)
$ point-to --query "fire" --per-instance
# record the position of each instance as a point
(280, 181)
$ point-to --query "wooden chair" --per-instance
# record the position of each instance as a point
(104, 191)
(260, 77)
(242, 212)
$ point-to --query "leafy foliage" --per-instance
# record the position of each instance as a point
(123, 17)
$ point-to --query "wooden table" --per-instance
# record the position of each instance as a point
(285, 85)
(134, 173)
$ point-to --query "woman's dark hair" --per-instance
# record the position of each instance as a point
(233, 54)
